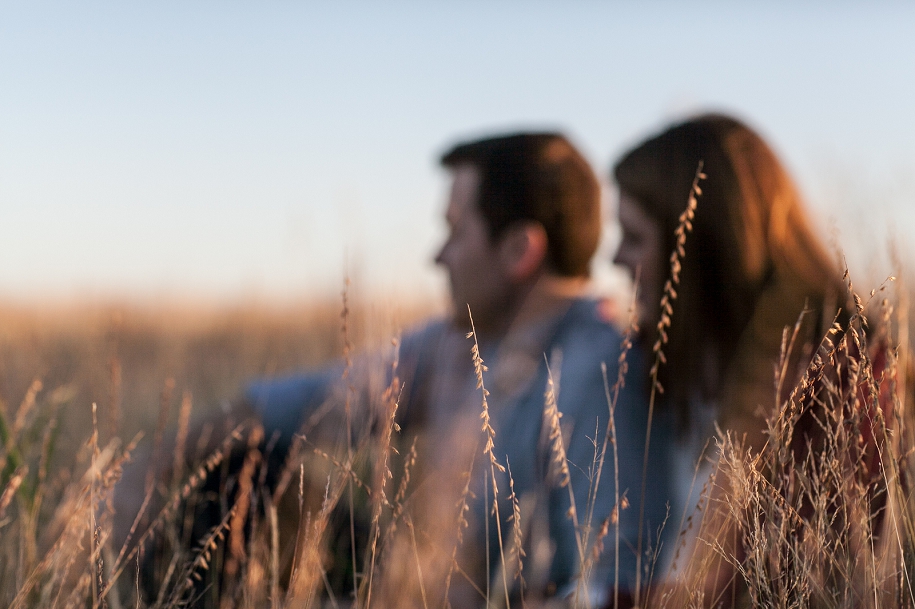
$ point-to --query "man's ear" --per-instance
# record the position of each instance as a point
(523, 250)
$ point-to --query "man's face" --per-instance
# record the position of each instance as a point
(472, 260)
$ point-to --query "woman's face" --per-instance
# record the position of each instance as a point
(640, 252)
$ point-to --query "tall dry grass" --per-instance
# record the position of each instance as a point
(822, 514)
(76, 379)
(826, 525)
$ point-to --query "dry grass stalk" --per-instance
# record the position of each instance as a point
(10, 491)
(237, 555)
(612, 398)
(348, 413)
(560, 475)
(419, 565)
(165, 400)
(516, 553)
(489, 434)
(115, 387)
(11, 435)
(184, 419)
(684, 227)
(274, 556)
(308, 569)
(201, 562)
(461, 524)
(383, 474)
(400, 497)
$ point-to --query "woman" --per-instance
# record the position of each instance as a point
(751, 267)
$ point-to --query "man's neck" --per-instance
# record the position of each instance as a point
(526, 340)
(529, 304)
(549, 295)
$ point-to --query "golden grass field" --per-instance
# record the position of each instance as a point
(120, 356)
(144, 366)
(137, 363)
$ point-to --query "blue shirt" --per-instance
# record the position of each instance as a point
(442, 403)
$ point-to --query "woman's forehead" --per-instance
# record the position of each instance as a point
(631, 211)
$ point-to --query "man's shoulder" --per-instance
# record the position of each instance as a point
(592, 349)
(590, 322)
(420, 337)
(590, 341)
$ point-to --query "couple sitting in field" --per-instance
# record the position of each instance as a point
(563, 466)
(524, 221)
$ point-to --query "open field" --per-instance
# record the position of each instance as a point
(120, 356)
(144, 366)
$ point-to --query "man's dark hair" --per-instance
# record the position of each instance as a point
(537, 177)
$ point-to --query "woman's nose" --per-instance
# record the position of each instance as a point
(440, 256)
(624, 259)
(616, 258)
(620, 258)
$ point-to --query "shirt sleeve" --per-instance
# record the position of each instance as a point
(283, 403)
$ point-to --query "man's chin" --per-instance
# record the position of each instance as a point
(461, 317)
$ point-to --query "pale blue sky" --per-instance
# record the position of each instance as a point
(229, 149)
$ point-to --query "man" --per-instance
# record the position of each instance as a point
(524, 222)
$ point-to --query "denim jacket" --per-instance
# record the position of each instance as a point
(441, 403)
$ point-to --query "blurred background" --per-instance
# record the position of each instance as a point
(184, 186)
(227, 151)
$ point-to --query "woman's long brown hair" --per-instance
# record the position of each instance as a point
(751, 265)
